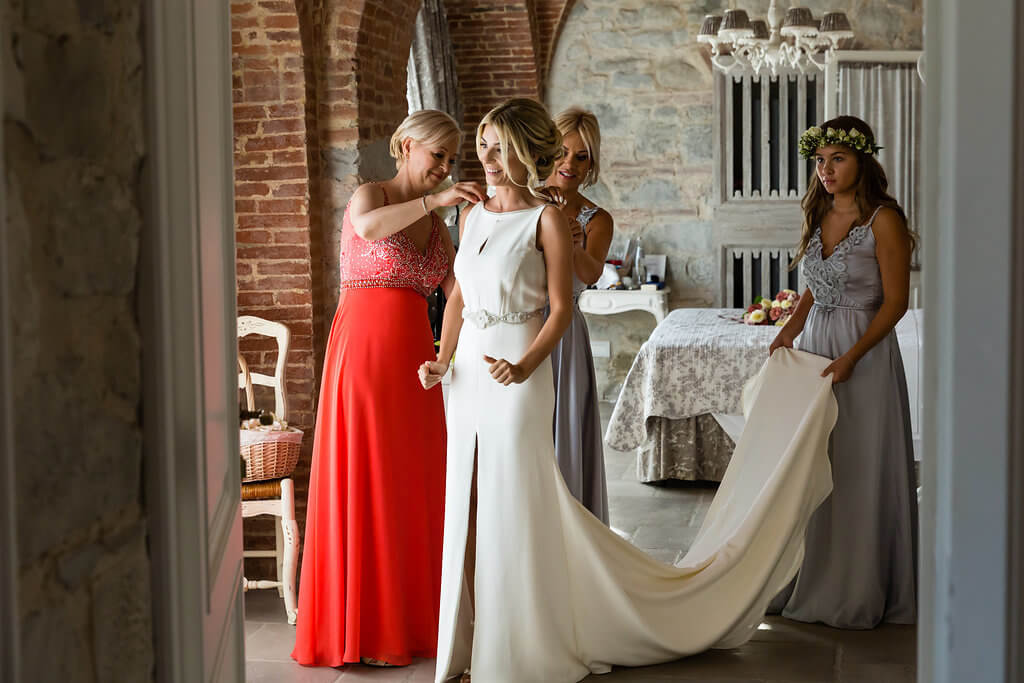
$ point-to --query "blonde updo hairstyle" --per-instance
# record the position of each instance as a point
(525, 126)
(578, 120)
(427, 127)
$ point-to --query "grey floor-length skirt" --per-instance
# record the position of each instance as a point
(577, 421)
(859, 566)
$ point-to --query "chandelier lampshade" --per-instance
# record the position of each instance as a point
(799, 23)
(735, 25)
(709, 28)
(836, 26)
(761, 32)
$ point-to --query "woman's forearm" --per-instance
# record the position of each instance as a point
(451, 326)
(550, 334)
(799, 317)
(385, 221)
(587, 268)
(881, 325)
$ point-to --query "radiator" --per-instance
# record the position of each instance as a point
(752, 271)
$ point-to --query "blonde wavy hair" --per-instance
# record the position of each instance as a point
(525, 126)
(579, 120)
(427, 127)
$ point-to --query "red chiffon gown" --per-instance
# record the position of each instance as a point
(371, 568)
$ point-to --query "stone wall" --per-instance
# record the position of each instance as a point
(637, 65)
(73, 154)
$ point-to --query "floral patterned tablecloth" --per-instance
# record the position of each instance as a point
(695, 362)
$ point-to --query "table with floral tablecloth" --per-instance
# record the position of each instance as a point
(680, 401)
(693, 365)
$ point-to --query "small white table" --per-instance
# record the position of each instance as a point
(609, 301)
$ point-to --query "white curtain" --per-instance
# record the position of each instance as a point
(890, 98)
(432, 82)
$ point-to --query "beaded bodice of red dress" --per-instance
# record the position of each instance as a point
(393, 261)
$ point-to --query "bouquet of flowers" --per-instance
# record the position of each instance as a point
(775, 311)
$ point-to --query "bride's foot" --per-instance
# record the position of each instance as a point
(370, 661)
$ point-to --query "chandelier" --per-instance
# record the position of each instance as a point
(802, 43)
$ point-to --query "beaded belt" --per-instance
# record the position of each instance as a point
(830, 307)
(483, 318)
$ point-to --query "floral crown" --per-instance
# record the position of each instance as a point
(814, 137)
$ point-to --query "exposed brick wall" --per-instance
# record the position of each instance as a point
(551, 15)
(273, 218)
(495, 58)
(362, 71)
(310, 31)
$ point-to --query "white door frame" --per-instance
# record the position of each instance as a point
(968, 204)
(188, 321)
(10, 650)
(1015, 611)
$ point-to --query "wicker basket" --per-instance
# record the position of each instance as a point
(269, 454)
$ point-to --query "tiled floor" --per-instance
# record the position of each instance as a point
(663, 520)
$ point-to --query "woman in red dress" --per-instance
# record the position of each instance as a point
(371, 569)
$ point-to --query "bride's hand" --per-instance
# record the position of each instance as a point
(456, 194)
(431, 372)
(506, 373)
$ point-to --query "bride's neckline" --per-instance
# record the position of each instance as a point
(501, 213)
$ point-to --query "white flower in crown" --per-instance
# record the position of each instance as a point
(786, 304)
(776, 303)
(755, 318)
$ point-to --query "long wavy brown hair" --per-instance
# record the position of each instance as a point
(872, 190)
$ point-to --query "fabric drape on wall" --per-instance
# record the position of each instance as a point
(890, 97)
(432, 81)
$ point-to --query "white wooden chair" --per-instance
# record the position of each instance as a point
(275, 497)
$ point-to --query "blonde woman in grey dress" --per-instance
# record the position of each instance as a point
(578, 439)
(859, 567)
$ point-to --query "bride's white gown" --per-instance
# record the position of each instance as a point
(558, 595)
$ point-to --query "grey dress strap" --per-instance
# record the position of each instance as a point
(872, 219)
(583, 218)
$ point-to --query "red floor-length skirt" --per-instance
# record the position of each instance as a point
(371, 568)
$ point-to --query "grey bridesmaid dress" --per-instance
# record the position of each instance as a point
(860, 561)
(578, 439)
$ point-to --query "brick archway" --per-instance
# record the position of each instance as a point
(363, 53)
(551, 17)
(318, 87)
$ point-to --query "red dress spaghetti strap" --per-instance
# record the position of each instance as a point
(371, 568)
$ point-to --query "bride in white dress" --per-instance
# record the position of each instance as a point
(534, 588)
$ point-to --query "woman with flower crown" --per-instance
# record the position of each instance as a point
(535, 588)
(859, 566)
